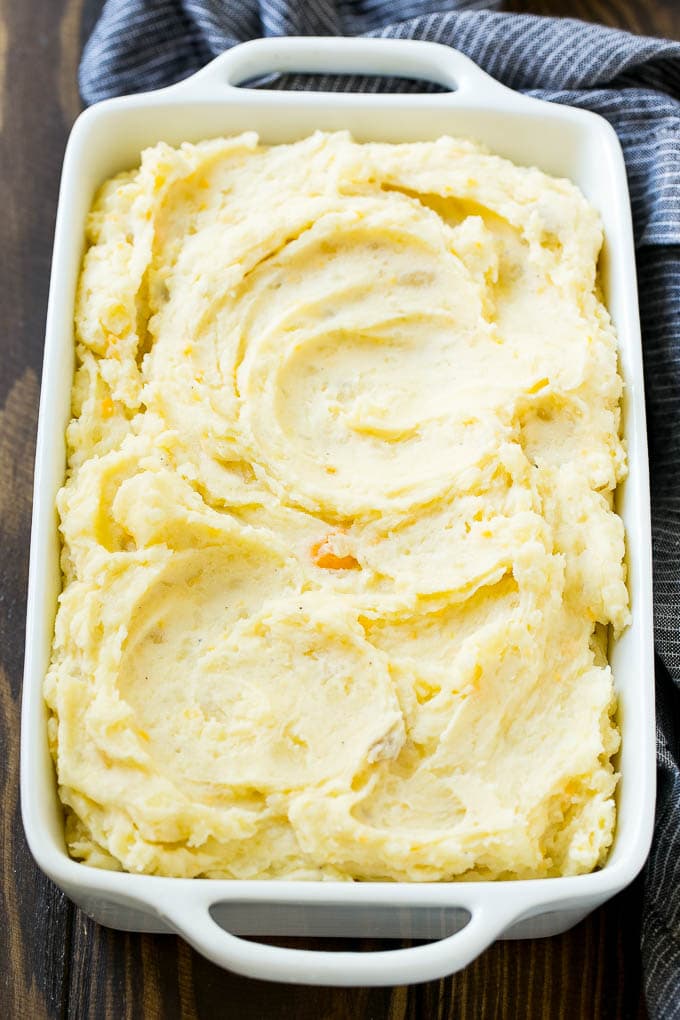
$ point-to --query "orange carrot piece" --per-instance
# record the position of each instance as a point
(325, 558)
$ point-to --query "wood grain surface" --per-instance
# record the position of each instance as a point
(54, 962)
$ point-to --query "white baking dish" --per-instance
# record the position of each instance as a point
(558, 139)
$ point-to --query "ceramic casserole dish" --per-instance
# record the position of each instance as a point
(460, 919)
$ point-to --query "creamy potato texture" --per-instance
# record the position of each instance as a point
(339, 547)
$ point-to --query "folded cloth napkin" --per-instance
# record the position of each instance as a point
(635, 83)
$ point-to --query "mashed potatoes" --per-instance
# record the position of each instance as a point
(339, 550)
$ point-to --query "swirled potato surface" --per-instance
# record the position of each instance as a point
(339, 548)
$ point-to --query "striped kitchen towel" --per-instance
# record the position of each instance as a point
(635, 83)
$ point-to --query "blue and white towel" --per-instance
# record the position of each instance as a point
(635, 83)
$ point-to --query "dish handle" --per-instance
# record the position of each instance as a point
(405, 58)
(189, 913)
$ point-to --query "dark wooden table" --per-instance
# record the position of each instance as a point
(54, 962)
